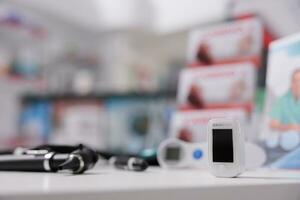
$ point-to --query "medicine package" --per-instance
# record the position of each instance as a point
(217, 86)
(234, 41)
(281, 128)
(191, 126)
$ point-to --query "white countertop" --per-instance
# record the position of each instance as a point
(155, 183)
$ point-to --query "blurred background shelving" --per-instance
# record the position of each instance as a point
(112, 60)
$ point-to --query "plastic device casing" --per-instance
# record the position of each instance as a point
(227, 169)
(191, 155)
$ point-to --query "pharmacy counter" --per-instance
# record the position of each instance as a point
(154, 184)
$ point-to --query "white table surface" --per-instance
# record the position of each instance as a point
(153, 184)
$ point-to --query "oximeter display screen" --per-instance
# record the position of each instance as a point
(222, 145)
(172, 153)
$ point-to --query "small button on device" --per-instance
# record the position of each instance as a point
(197, 154)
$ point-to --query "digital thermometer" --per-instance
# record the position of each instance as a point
(174, 153)
(226, 147)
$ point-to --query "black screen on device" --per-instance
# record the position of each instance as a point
(222, 145)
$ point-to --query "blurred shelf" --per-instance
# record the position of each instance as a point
(103, 96)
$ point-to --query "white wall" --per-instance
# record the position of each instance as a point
(162, 16)
(281, 16)
(180, 15)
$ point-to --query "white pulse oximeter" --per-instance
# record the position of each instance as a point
(226, 147)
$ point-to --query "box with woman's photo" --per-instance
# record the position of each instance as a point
(223, 86)
(281, 127)
(191, 126)
(229, 42)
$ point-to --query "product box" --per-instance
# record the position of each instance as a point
(281, 127)
(35, 123)
(136, 124)
(190, 126)
(225, 86)
(235, 41)
(80, 121)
